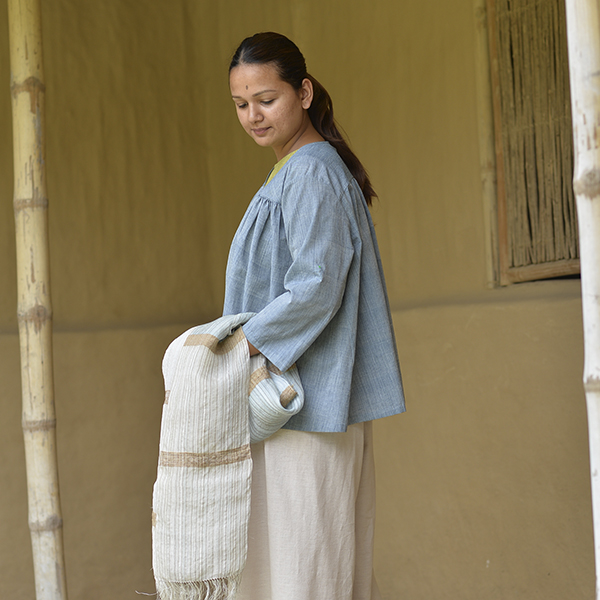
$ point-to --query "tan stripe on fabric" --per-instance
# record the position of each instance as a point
(274, 369)
(206, 459)
(213, 343)
(167, 394)
(257, 376)
(153, 519)
(287, 395)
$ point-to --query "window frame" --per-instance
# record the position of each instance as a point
(507, 274)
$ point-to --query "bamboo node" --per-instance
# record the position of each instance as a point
(40, 425)
(20, 204)
(37, 315)
(588, 183)
(35, 88)
(52, 523)
(592, 384)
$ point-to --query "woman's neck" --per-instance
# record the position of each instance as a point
(307, 135)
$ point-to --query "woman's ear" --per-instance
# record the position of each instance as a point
(306, 93)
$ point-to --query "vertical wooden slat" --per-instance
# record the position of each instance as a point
(583, 34)
(487, 153)
(500, 163)
(34, 306)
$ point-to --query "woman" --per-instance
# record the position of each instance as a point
(305, 259)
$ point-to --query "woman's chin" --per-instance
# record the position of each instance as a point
(261, 141)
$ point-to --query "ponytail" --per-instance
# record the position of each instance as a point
(321, 116)
(285, 56)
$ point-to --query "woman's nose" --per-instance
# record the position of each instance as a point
(255, 114)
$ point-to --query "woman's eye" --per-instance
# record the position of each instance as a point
(242, 105)
(268, 101)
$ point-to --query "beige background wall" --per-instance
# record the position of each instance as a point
(483, 485)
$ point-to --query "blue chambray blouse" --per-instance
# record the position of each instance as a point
(305, 259)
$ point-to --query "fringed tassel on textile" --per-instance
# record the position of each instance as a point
(212, 589)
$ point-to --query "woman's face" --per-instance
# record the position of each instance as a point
(271, 111)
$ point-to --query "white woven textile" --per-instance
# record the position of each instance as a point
(201, 500)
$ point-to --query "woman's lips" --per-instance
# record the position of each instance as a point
(260, 131)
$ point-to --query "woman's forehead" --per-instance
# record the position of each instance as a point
(246, 77)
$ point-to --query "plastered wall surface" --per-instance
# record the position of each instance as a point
(148, 167)
(148, 175)
(485, 480)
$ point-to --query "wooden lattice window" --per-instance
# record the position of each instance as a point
(537, 223)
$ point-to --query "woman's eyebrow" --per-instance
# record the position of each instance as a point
(257, 93)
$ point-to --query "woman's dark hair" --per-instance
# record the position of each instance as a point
(285, 56)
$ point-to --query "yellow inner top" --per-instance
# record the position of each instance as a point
(279, 165)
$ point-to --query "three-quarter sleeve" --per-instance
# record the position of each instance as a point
(319, 238)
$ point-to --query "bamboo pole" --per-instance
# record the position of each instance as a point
(34, 306)
(487, 151)
(583, 33)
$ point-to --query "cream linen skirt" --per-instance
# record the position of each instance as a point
(313, 509)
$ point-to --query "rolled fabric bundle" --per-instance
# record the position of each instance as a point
(274, 397)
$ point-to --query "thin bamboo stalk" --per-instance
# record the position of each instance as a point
(583, 34)
(487, 153)
(34, 305)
